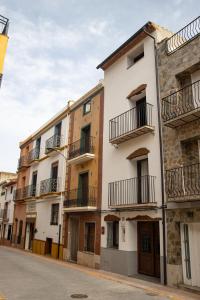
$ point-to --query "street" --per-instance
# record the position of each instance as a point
(26, 276)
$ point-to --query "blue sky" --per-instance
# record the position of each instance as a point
(54, 48)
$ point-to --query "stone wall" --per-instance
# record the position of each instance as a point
(180, 145)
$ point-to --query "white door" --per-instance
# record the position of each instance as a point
(190, 242)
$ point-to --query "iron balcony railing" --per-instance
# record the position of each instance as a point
(183, 181)
(130, 121)
(133, 191)
(49, 185)
(80, 147)
(183, 36)
(181, 102)
(34, 154)
(4, 22)
(52, 143)
(81, 197)
(25, 192)
(23, 161)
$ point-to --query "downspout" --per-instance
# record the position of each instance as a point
(161, 159)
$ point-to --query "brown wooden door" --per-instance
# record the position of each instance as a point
(74, 238)
(83, 188)
(148, 248)
(48, 246)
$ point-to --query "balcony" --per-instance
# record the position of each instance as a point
(49, 186)
(23, 162)
(182, 106)
(34, 155)
(53, 143)
(81, 151)
(134, 192)
(131, 124)
(4, 22)
(183, 36)
(183, 183)
(79, 200)
(28, 191)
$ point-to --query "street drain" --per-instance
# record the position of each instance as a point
(79, 296)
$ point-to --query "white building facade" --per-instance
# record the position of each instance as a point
(45, 192)
(132, 233)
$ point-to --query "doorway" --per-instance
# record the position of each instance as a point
(74, 237)
(54, 177)
(141, 112)
(83, 190)
(48, 246)
(148, 248)
(29, 235)
(143, 181)
(85, 140)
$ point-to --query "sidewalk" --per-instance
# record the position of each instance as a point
(152, 289)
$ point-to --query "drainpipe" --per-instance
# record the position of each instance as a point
(161, 159)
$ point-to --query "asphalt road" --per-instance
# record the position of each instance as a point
(27, 277)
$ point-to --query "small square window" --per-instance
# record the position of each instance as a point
(87, 107)
(135, 56)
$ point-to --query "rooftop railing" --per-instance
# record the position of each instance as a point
(181, 102)
(183, 181)
(4, 22)
(183, 36)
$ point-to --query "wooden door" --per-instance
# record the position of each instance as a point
(143, 181)
(148, 248)
(48, 246)
(74, 236)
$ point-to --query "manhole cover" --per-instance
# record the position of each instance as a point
(79, 296)
(151, 294)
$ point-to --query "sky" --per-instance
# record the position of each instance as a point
(54, 48)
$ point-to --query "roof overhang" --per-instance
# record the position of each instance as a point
(126, 46)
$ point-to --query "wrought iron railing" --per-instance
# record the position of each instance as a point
(81, 197)
(130, 120)
(25, 192)
(34, 154)
(183, 181)
(133, 191)
(53, 142)
(181, 102)
(49, 185)
(4, 22)
(80, 147)
(183, 36)
(23, 161)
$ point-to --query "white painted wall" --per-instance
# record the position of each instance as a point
(43, 168)
(118, 83)
(9, 198)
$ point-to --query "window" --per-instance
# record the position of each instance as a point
(87, 107)
(89, 236)
(54, 214)
(135, 56)
(113, 234)
(11, 189)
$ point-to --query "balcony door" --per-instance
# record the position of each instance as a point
(57, 135)
(54, 177)
(37, 146)
(85, 139)
(141, 112)
(34, 183)
(143, 181)
(83, 191)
